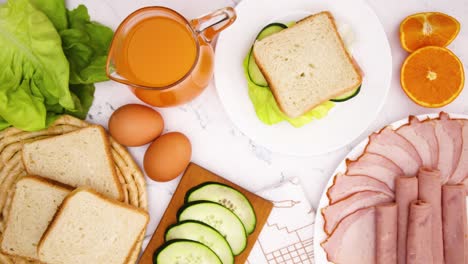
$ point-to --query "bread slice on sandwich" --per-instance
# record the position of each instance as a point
(34, 204)
(306, 64)
(79, 158)
(90, 228)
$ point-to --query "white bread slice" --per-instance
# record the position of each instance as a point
(306, 64)
(79, 158)
(90, 228)
(35, 202)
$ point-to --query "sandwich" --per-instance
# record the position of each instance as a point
(306, 64)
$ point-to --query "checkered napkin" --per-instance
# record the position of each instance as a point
(287, 237)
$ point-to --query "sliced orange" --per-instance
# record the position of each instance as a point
(432, 76)
(428, 29)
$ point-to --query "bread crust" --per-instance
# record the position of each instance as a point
(52, 184)
(129, 259)
(49, 182)
(108, 146)
(100, 196)
(356, 68)
(110, 162)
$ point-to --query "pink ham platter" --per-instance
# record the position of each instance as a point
(412, 144)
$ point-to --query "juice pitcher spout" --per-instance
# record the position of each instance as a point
(208, 26)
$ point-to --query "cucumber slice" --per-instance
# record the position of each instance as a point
(347, 96)
(228, 197)
(256, 76)
(205, 234)
(220, 218)
(270, 29)
(185, 251)
(290, 24)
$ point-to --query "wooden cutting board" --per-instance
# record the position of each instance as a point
(193, 176)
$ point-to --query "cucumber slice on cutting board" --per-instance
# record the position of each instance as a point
(205, 234)
(229, 198)
(256, 76)
(347, 96)
(220, 218)
(185, 251)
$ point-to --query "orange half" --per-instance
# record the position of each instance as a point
(432, 76)
(428, 29)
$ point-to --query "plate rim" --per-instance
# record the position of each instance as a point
(354, 153)
(311, 152)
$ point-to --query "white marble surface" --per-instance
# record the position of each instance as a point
(219, 146)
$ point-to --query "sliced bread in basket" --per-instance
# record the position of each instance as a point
(35, 202)
(79, 158)
(90, 228)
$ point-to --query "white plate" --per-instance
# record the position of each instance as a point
(347, 120)
(319, 234)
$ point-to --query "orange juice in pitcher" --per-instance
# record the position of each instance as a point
(164, 58)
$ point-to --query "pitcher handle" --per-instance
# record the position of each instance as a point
(211, 24)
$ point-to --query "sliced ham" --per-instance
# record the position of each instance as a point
(419, 234)
(353, 241)
(344, 186)
(334, 213)
(386, 226)
(430, 191)
(461, 171)
(375, 166)
(396, 148)
(466, 235)
(449, 138)
(422, 136)
(406, 191)
(465, 182)
(454, 223)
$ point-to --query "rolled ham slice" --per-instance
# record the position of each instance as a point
(466, 234)
(461, 171)
(375, 166)
(419, 233)
(396, 148)
(465, 182)
(353, 241)
(422, 136)
(430, 190)
(454, 223)
(334, 213)
(386, 224)
(406, 191)
(449, 138)
(344, 186)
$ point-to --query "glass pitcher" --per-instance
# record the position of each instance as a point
(165, 59)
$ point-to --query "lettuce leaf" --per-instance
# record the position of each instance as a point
(52, 57)
(268, 111)
(86, 45)
(83, 94)
(54, 10)
(35, 71)
(3, 124)
(85, 42)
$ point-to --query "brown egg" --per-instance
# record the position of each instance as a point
(167, 156)
(135, 125)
